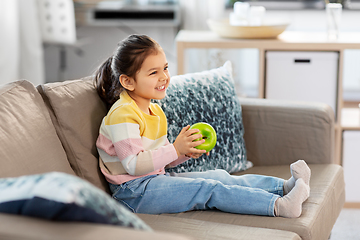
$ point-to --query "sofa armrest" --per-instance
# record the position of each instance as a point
(26, 228)
(281, 132)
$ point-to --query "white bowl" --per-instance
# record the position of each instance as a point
(270, 29)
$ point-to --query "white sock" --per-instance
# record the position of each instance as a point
(298, 169)
(290, 206)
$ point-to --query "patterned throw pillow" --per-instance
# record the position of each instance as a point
(209, 97)
(63, 197)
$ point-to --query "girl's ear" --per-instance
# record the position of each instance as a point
(127, 82)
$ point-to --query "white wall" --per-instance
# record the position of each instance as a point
(96, 45)
(101, 41)
(246, 61)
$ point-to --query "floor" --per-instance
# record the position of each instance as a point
(347, 225)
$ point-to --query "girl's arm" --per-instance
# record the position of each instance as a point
(128, 150)
(126, 147)
(128, 144)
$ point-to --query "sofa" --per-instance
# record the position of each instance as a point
(54, 126)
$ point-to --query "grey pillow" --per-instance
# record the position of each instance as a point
(210, 97)
(63, 197)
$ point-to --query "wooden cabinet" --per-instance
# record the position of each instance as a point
(351, 164)
(287, 41)
(302, 76)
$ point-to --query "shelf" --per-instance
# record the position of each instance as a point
(350, 119)
(287, 41)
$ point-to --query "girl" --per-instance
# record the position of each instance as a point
(134, 149)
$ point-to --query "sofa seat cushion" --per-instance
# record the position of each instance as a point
(201, 230)
(14, 227)
(76, 111)
(320, 211)
(28, 140)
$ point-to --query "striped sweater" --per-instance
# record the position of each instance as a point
(133, 144)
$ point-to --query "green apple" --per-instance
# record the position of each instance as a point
(208, 133)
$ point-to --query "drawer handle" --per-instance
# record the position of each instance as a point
(302, 60)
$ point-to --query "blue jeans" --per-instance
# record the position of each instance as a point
(216, 189)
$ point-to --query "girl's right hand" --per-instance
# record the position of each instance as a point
(184, 143)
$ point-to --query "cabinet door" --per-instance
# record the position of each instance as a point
(302, 76)
(351, 164)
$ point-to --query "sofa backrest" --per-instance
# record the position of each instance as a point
(28, 140)
(77, 111)
(279, 132)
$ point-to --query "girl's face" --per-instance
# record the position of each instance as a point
(151, 80)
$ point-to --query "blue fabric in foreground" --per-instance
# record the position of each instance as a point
(52, 210)
(63, 197)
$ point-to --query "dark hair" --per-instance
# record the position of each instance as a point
(127, 59)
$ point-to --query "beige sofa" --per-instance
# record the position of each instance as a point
(54, 127)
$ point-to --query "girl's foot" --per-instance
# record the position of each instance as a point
(290, 206)
(298, 169)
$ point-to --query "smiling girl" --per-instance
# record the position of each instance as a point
(134, 149)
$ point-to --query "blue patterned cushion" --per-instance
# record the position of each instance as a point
(63, 197)
(210, 97)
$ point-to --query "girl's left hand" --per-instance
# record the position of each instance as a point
(197, 155)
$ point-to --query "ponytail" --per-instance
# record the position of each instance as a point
(127, 59)
(107, 85)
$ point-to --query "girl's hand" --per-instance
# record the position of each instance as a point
(184, 142)
(196, 155)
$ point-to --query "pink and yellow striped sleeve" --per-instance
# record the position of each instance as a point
(128, 142)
